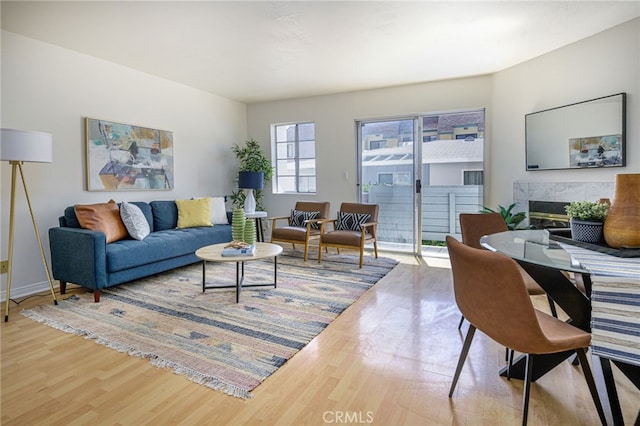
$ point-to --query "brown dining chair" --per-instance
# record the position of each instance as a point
(473, 226)
(354, 226)
(301, 226)
(491, 294)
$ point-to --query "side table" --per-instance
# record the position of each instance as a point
(257, 217)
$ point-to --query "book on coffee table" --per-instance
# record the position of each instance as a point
(232, 251)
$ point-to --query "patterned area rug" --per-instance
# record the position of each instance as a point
(209, 338)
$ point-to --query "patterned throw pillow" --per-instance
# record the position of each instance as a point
(351, 221)
(134, 221)
(298, 218)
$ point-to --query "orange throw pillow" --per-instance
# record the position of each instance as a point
(103, 217)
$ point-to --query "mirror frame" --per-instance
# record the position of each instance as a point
(573, 136)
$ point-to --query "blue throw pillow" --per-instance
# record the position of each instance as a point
(165, 215)
(351, 221)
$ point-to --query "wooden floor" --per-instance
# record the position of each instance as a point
(387, 360)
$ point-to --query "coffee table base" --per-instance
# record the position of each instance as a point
(240, 278)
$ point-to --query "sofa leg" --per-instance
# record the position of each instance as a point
(63, 287)
(96, 296)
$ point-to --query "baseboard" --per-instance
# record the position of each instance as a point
(27, 290)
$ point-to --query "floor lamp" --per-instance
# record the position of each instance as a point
(17, 147)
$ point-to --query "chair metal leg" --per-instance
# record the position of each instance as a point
(527, 388)
(509, 362)
(588, 376)
(552, 306)
(463, 357)
(461, 321)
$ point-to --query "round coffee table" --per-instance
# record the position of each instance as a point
(213, 253)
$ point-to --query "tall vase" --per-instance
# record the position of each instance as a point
(237, 225)
(622, 226)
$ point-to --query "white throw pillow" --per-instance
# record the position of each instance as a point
(134, 221)
(218, 211)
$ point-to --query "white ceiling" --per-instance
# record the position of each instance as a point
(260, 51)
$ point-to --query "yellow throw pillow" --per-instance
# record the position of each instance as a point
(192, 213)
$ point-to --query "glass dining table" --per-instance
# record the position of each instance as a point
(553, 268)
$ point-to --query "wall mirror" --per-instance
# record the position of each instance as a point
(589, 134)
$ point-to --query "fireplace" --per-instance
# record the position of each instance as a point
(547, 214)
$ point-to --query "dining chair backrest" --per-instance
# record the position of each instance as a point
(491, 294)
(475, 225)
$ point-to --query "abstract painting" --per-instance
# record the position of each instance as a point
(596, 151)
(124, 157)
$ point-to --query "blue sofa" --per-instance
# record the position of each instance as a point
(83, 257)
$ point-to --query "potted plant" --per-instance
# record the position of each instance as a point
(251, 158)
(511, 219)
(586, 219)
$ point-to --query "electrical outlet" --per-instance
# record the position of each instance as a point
(4, 267)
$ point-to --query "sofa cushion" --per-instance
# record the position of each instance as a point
(193, 213)
(165, 215)
(146, 210)
(69, 219)
(134, 220)
(103, 217)
(162, 245)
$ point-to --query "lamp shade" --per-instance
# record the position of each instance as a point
(23, 145)
(251, 180)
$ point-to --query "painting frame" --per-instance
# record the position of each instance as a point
(125, 157)
(596, 152)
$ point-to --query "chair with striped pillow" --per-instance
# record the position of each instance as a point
(302, 225)
(353, 228)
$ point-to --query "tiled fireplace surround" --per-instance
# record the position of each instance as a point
(523, 192)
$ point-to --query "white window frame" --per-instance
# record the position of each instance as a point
(297, 176)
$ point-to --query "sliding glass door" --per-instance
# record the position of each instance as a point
(423, 171)
(388, 176)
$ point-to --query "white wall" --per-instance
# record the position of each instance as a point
(335, 116)
(601, 65)
(51, 89)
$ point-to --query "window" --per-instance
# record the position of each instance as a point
(294, 146)
(378, 144)
(403, 179)
(473, 177)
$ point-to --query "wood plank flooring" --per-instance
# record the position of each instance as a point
(387, 360)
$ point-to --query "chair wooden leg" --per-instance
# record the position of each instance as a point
(306, 250)
(463, 357)
(320, 253)
(361, 257)
(588, 376)
(527, 388)
(375, 248)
